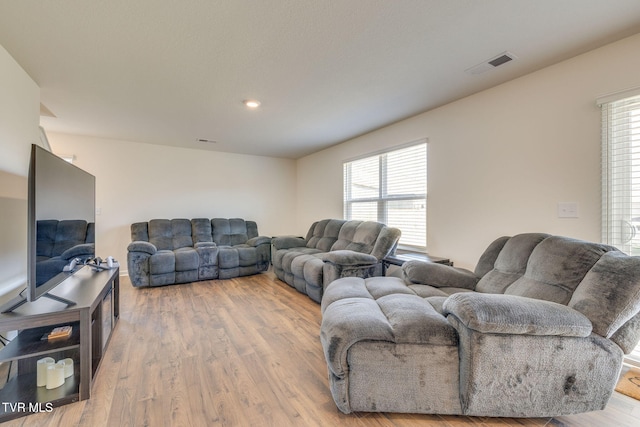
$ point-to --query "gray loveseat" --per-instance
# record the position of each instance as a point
(538, 329)
(165, 252)
(333, 248)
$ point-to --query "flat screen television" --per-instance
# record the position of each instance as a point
(60, 225)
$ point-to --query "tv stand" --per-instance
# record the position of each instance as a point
(20, 299)
(92, 318)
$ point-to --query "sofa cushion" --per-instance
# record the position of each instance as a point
(323, 234)
(510, 314)
(511, 263)
(298, 263)
(46, 237)
(69, 233)
(181, 233)
(401, 318)
(186, 259)
(628, 335)
(140, 232)
(555, 268)
(359, 236)
(488, 258)
(160, 234)
(229, 232)
(438, 275)
(609, 294)
(427, 291)
(162, 262)
(201, 231)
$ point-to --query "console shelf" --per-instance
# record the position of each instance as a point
(92, 318)
(29, 343)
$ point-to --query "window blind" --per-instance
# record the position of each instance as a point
(390, 187)
(621, 174)
(621, 177)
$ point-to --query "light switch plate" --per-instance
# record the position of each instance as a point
(567, 210)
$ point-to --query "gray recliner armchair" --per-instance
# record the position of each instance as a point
(539, 328)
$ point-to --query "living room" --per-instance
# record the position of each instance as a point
(499, 161)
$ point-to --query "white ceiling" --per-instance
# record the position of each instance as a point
(170, 72)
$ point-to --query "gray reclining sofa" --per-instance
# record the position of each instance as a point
(165, 252)
(333, 248)
(539, 328)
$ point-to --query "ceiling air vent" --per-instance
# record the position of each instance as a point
(208, 141)
(492, 63)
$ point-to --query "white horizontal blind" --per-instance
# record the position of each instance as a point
(390, 187)
(621, 179)
(621, 174)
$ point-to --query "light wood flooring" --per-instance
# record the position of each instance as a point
(239, 352)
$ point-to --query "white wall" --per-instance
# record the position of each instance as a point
(138, 182)
(19, 117)
(498, 161)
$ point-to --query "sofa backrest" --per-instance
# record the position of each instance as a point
(510, 263)
(53, 237)
(595, 279)
(609, 295)
(358, 236)
(172, 234)
(556, 267)
(323, 234)
(201, 230)
(234, 231)
(367, 237)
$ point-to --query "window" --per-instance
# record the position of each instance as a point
(621, 176)
(390, 187)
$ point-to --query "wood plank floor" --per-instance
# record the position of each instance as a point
(239, 352)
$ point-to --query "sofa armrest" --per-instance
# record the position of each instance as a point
(346, 322)
(511, 314)
(347, 263)
(141, 246)
(438, 275)
(347, 257)
(84, 250)
(286, 242)
(259, 240)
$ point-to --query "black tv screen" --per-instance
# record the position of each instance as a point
(61, 219)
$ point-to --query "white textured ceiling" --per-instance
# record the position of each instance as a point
(170, 72)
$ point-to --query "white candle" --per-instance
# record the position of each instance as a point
(55, 375)
(68, 367)
(42, 366)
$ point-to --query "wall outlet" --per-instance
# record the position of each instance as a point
(567, 210)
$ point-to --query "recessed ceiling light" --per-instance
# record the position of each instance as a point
(251, 103)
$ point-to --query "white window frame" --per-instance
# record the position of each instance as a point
(620, 176)
(383, 198)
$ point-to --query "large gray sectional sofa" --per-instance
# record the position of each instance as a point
(165, 252)
(332, 248)
(539, 328)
